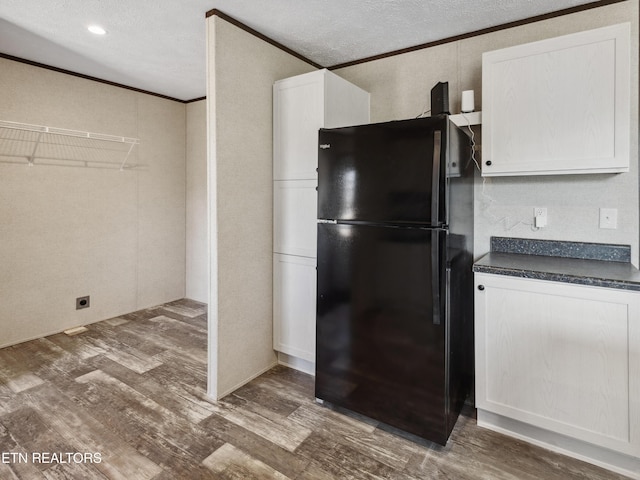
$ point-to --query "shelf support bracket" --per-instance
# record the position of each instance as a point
(126, 157)
(31, 158)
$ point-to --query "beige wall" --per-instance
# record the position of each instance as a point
(197, 281)
(71, 231)
(400, 87)
(241, 72)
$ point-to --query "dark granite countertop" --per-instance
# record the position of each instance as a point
(597, 269)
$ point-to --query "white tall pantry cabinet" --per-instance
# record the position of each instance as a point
(301, 106)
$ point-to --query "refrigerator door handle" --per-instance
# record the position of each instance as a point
(435, 179)
(435, 275)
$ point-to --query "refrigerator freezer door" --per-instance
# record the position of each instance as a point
(388, 173)
(379, 351)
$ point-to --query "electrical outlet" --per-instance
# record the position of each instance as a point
(609, 218)
(83, 302)
(540, 217)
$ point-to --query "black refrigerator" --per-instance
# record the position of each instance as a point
(394, 324)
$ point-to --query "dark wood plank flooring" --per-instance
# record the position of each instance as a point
(126, 400)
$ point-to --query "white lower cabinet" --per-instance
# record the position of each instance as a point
(561, 357)
(294, 306)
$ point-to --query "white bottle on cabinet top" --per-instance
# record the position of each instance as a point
(301, 106)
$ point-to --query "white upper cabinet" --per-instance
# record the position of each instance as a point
(558, 106)
(301, 106)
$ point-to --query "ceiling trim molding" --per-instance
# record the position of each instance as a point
(217, 13)
(237, 23)
(89, 77)
(504, 26)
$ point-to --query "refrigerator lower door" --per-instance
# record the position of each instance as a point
(380, 347)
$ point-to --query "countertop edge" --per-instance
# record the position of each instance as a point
(558, 277)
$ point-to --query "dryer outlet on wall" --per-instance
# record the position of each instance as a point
(83, 302)
(540, 217)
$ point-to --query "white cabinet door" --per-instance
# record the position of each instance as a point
(562, 357)
(558, 106)
(301, 106)
(298, 115)
(294, 306)
(294, 217)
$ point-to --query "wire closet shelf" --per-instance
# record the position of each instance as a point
(42, 145)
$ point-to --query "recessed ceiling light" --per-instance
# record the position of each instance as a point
(97, 29)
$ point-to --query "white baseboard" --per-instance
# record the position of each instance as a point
(296, 363)
(587, 452)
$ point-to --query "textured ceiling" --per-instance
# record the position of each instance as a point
(159, 45)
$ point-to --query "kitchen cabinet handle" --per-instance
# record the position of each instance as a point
(480, 287)
(488, 163)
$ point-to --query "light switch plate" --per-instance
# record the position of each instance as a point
(609, 218)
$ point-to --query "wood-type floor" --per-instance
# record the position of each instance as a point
(126, 400)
